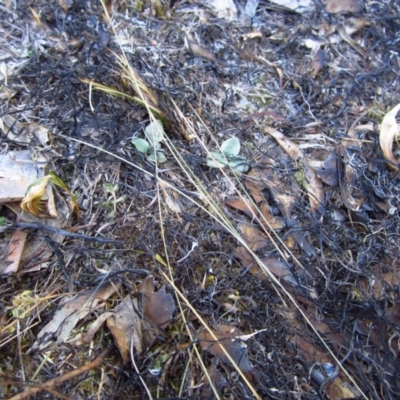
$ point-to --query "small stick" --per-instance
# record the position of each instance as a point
(50, 384)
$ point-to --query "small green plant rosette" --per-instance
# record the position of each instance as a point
(228, 156)
(154, 133)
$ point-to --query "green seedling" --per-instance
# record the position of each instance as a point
(228, 156)
(112, 199)
(151, 147)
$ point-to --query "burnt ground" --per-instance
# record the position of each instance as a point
(323, 302)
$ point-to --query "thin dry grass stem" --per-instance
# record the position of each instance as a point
(201, 320)
(39, 368)
(162, 230)
(138, 372)
(146, 97)
(189, 362)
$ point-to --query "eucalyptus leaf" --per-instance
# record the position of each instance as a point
(154, 132)
(231, 147)
(141, 145)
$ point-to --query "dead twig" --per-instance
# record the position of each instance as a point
(49, 385)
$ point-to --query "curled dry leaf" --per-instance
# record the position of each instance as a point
(39, 197)
(226, 338)
(69, 313)
(389, 132)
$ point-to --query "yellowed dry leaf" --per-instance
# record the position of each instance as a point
(33, 202)
(390, 131)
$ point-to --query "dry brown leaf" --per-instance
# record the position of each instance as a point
(388, 133)
(279, 268)
(342, 6)
(314, 355)
(253, 237)
(274, 222)
(125, 326)
(312, 183)
(339, 390)
(311, 352)
(244, 256)
(157, 309)
(226, 338)
(37, 251)
(198, 50)
(69, 313)
(242, 205)
(254, 189)
(15, 250)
